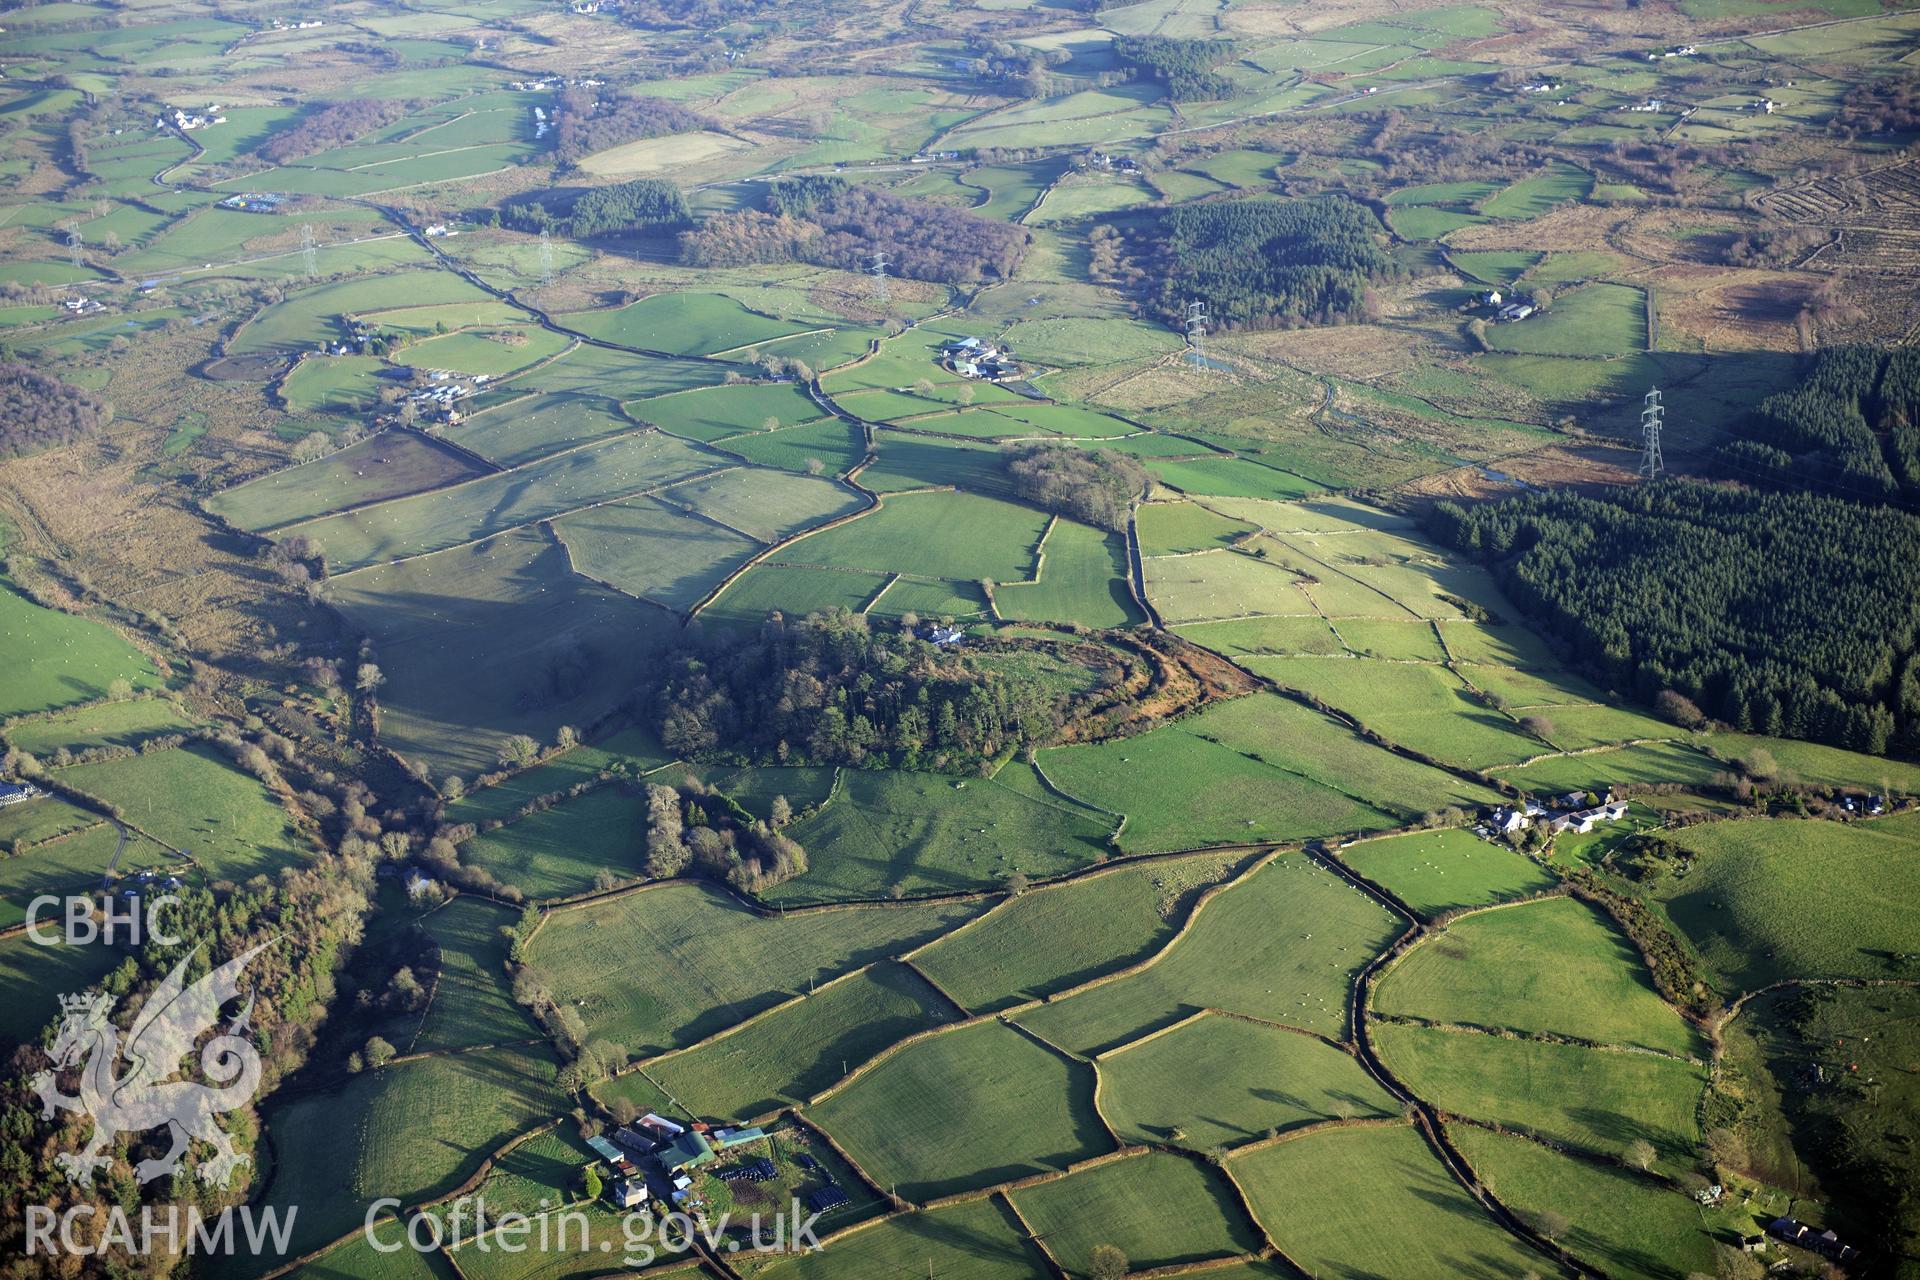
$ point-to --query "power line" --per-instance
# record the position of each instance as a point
(309, 252)
(879, 273)
(1197, 321)
(1652, 417)
(73, 246)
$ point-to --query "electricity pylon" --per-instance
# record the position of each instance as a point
(1652, 417)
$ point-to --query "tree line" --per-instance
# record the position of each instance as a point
(830, 222)
(1259, 262)
(831, 689)
(1789, 614)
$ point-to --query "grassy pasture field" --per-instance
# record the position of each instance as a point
(1083, 579)
(469, 644)
(967, 1108)
(653, 550)
(1246, 637)
(765, 504)
(104, 724)
(1560, 183)
(1426, 708)
(831, 446)
(1593, 320)
(193, 800)
(786, 1056)
(1046, 940)
(345, 385)
(309, 317)
(1282, 944)
(1632, 1226)
(962, 536)
(409, 1130)
(1588, 1098)
(1159, 1209)
(682, 324)
(1643, 762)
(1173, 528)
(35, 977)
(527, 429)
(1554, 966)
(72, 863)
(975, 1240)
(1763, 900)
(630, 750)
(709, 958)
(494, 352)
(1819, 765)
(910, 462)
(471, 1005)
(492, 504)
(1206, 1084)
(1435, 871)
(1229, 477)
(389, 465)
(1376, 1202)
(356, 1259)
(39, 820)
(560, 851)
(59, 659)
(1218, 584)
(795, 590)
(927, 832)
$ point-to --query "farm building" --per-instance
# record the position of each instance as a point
(1581, 821)
(1825, 1243)
(727, 1139)
(688, 1151)
(1514, 312)
(659, 1127)
(17, 793)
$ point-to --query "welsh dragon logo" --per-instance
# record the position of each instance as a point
(145, 1096)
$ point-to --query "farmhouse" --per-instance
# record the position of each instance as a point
(628, 1192)
(1581, 821)
(1825, 1243)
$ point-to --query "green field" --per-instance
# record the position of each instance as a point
(73, 863)
(923, 832)
(1632, 1226)
(1592, 1099)
(390, 465)
(1376, 1202)
(968, 1108)
(1796, 898)
(1158, 1209)
(1593, 320)
(1222, 584)
(1542, 193)
(962, 536)
(1209, 1083)
(1426, 708)
(1435, 871)
(409, 1130)
(34, 821)
(486, 641)
(57, 659)
(1282, 944)
(1042, 942)
(652, 549)
(104, 724)
(708, 959)
(1172, 528)
(35, 978)
(977, 1240)
(1555, 966)
(682, 324)
(470, 1005)
(193, 800)
(428, 522)
(786, 1056)
(627, 751)
(765, 504)
(795, 590)
(311, 316)
(560, 851)
(1083, 579)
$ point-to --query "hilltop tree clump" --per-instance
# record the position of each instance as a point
(1260, 262)
(831, 689)
(1094, 486)
(645, 204)
(331, 127)
(38, 411)
(1185, 67)
(587, 120)
(830, 222)
(1791, 615)
(691, 828)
